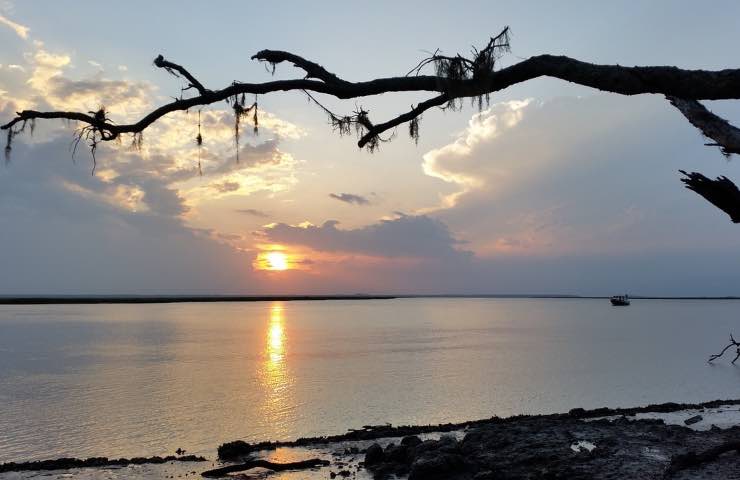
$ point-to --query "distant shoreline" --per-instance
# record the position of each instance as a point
(132, 299)
(83, 300)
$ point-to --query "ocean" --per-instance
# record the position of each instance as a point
(146, 379)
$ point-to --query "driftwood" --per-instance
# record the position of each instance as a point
(275, 467)
(733, 343)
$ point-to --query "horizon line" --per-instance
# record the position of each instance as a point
(74, 299)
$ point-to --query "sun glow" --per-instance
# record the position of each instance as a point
(276, 261)
(279, 258)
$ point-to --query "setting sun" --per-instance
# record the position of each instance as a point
(276, 261)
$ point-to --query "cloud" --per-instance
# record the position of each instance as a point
(350, 198)
(166, 175)
(577, 176)
(451, 162)
(60, 236)
(226, 187)
(252, 212)
(406, 236)
(20, 30)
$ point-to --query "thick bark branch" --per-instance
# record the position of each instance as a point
(726, 136)
(682, 87)
(721, 193)
(671, 81)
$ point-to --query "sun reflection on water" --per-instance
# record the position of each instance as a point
(276, 335)
(276, 379)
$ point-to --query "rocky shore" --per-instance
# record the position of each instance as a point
(564, 447)
(654, 442)
(93, 462)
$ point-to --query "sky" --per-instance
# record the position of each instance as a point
(553, 188)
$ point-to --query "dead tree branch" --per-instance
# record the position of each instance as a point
(312, 69)
(178, 70)
(733, 343)
(726, 136)
(721, 192)
(455, 78)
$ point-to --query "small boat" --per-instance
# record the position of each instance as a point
(620, 300)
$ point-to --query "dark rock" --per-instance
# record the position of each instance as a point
(693, 420)
(577, 413)
(374, 455)
(234, 450)
(434, 467)
(93, 462)
(396, 454)
(411, 441)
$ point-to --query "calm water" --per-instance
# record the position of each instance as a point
(146, 379)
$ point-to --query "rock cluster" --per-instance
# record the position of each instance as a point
(67, 463)
(551, 447)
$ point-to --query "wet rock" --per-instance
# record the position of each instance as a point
(234, 450)
(410, 441)
(93, 462)
(577, 412)
(693, 420)
(432, 467)
(396, 454)
(374, 455)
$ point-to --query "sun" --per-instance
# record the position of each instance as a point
(276, 261)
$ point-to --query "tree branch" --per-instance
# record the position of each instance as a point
(176, 69)
(456, 77)
(721, 193)
(733, 343)
(670, 81)
(712, 126)
(313, 70)
(415, 112)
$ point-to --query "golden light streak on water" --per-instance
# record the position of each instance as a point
(277, 381)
